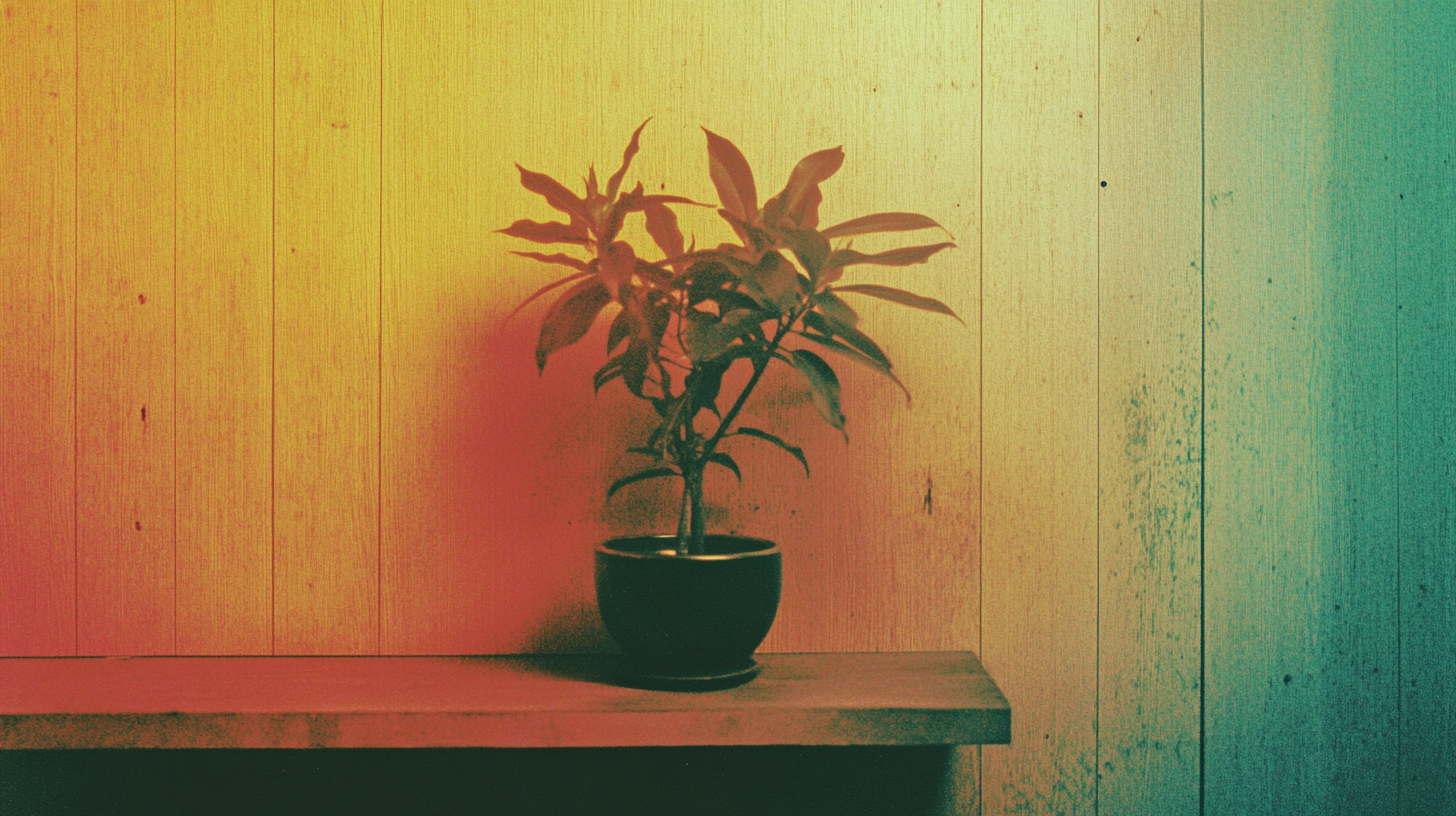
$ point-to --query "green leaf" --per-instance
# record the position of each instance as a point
(706, 278)
(706, 337)
(831, 305)
(615, 182)
(797, 452)
(550, 232)
(901, 297)
(554, 192)
(635, 361)
(720, 458)
(570, 317)
(704, 384)
(809, 246)
(775, 281)
(903, 256)
(854, 354)
(807, 174)
(858, 339)
(650, 473)
(880, 222)
(823, 386)
(806, 216)
(662, 226)
(607, 373)
(621, 328)
(732, 178)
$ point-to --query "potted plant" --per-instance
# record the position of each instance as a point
(689, 609)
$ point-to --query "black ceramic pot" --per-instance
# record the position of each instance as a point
(688, 622)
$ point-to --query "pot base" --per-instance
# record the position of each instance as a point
(626, 676)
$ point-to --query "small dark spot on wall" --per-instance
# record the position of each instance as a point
(1139, 38)
(142, 299)
(1287, 679)
(929, 496)
(1104, 184)
(1337, 607)
(1079, 114)
(138, 525)
(293, 249)
(339, 125)
(1402, 196)
(144, 413)
(1270, 280)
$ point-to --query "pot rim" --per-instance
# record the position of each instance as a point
(769, 548)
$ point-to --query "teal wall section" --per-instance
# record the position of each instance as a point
(1425, 280)
(1330, 240)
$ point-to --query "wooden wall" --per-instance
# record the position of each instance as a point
(1184, 479)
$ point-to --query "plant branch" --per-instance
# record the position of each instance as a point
(758, 370)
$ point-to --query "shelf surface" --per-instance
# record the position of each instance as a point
(527, 701)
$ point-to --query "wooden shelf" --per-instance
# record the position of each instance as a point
(558, 701)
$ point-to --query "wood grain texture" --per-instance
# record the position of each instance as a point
(125, 358)
(37, 332)
(1301, 651)
(1425, 283)
(224, 328)
(1356, 400)
(927, 698)
(447, 569)
(1266, 78)
(1040, 401)
(1149, 337)
(326, 328)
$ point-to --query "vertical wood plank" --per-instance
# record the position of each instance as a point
(1040, 401)
(326, 324)
(436, 570)
(37, 332)
(1357, 575)
(125, 330)
(224, 327)
(1265, 80)
(1149, 337)
(1425, 266)
(1301, 577)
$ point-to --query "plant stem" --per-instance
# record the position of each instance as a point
(683, 519)
(758, 369)
(694, 517)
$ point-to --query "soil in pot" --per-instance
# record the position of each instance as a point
(688, 622)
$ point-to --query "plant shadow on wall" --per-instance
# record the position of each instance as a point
(691, 607)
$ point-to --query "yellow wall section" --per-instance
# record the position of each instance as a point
(326, 328)
(1040, 400)
(126, 324)
(224, 328)
(1149, 408)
